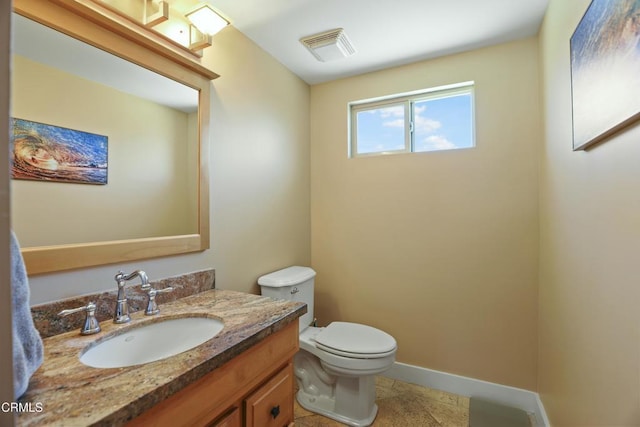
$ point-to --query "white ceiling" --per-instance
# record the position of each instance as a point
(385, 33)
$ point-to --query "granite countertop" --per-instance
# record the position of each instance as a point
(63, 391)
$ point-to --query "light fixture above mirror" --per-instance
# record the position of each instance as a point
(155, 12)
(186, 23)
(206, 20)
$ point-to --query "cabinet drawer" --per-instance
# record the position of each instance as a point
(232, 419)
(272, 404)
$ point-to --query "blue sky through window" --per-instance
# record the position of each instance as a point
(381, 129)
(439, 123)
(443, 123)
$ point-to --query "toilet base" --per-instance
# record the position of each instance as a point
(325, 406)
(347, 399)
(336, 386)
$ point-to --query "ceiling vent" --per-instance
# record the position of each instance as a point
(329, 45)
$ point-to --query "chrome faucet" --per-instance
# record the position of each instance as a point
(122, 306)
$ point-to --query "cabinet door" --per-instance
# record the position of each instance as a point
(231, 419)
(272, 404)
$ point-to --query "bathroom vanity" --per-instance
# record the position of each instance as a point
(242, 376)
(257, 384)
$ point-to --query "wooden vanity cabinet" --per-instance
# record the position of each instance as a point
(253, 389)
(272, 404)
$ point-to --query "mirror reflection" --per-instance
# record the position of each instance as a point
(151, 127)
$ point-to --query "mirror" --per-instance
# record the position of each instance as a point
(149, 124)
(151, 121)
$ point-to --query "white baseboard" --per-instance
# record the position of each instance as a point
(526, 400)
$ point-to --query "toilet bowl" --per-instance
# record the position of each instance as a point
(336, 366)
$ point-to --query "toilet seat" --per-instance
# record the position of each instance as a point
(355, 341)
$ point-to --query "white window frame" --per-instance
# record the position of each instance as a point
(407, 100)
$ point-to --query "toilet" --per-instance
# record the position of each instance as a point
(336, 366)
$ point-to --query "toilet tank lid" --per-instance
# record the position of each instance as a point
(287, 277)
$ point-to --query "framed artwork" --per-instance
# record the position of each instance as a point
(45, 152)
(605, 70)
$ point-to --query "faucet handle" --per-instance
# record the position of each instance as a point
(91, 324)
(152, 306)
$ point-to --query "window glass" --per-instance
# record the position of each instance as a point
(443, 123)
(381, 129)
(429, 120)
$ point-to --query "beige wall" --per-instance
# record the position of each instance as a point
(590, 240)
(259, 163)
(438, 249)
(259, 178)
(147, 194)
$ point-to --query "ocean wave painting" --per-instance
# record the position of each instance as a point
(605, 65)
(45, 152)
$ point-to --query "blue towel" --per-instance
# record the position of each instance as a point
(28, 350)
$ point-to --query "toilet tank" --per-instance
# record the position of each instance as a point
(291, 284)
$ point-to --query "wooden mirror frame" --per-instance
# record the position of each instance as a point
(99, 27)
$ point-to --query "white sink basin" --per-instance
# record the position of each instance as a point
(151, 342)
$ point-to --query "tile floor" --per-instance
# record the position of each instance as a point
(402, 404)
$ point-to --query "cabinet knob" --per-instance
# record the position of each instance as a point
(275, 411)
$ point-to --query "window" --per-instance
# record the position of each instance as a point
(430, 120)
